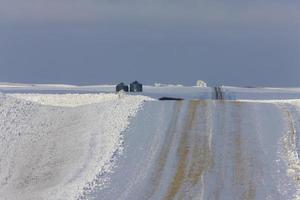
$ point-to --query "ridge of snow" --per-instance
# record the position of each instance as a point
(51, 149)
(73, 100)
(289, 144)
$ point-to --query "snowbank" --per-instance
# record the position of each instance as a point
(69, 100)
(290, 141)
(52, 146)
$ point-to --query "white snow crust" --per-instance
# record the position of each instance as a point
(53, 146)
(68, 100)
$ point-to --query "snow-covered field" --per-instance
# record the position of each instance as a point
(131, 147)
(53, 146)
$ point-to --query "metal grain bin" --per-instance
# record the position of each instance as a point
(121, 86)
(136, 87)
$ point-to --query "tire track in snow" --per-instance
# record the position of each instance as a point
(183, 152)
(243, 162)
(194, 155)
(161, 162)
(201, 156)
(219, 119)
(237, 166)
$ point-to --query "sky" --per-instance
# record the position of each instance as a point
(232, 42)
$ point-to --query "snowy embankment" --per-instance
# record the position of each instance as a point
(53, 146)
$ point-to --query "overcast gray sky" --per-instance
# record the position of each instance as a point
(229, 42)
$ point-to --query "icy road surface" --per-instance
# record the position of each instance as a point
(208, 150)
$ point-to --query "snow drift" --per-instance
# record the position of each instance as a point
(52, 146)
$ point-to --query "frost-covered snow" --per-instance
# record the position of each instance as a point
(53, 152)
(68, 100)
(248, 93)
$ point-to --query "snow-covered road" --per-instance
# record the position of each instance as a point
(208, 150)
